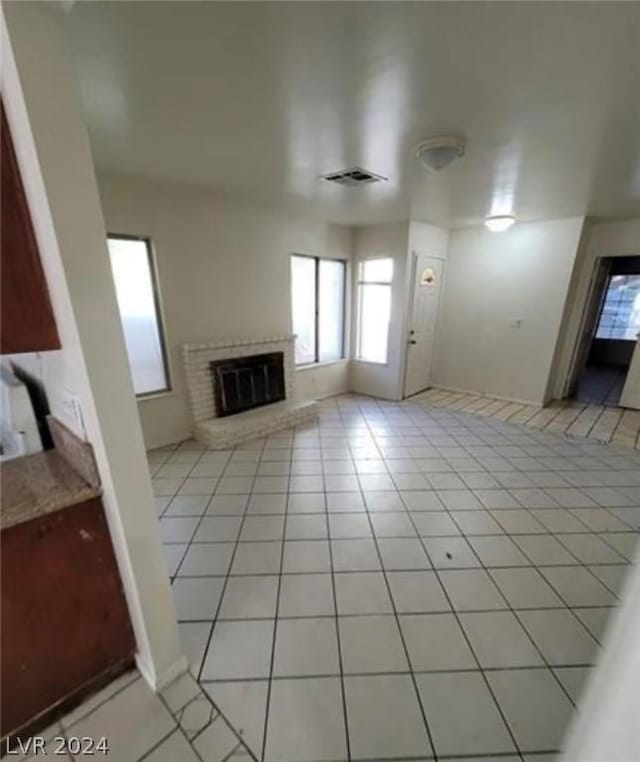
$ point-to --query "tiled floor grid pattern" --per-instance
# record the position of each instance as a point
(180, 724)
(599, 423)
(396, 581)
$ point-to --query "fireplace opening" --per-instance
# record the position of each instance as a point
(243, 383)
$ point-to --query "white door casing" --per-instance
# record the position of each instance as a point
(589, 323)
(427, 280)
(630, 396)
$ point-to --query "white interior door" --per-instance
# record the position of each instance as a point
(630, 396)
(427, 279)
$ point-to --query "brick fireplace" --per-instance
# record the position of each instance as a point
(208, 366)
(244, 383)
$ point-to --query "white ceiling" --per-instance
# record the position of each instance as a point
(259, 99)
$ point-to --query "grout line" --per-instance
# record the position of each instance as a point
(426, 612)
(596, 421)
(387, 673)
(455, 613)
(218, 714)
(337, 626)
(511, 610)
(189, 545)
(275, 627)
(165, 738)
(589, 564)
(399, 628)
(224, 584)
(134, 677)
(180, 729)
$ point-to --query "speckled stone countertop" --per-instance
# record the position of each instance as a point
(38, 484)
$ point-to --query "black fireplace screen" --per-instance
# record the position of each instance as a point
(247, 382)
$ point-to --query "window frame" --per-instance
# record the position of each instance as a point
(359, 294)
(160, 322)
(605, 293)
(316, 314)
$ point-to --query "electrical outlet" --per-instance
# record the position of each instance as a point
(73, 411)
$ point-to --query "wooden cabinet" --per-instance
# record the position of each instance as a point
(27, 321)
(65, 622)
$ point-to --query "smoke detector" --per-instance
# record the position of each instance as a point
(437, 153)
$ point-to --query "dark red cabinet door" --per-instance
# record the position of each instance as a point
(65, 621)
(27, 321)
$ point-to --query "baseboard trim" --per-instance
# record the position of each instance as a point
(159, 682)
(501, 397)
(328, 395)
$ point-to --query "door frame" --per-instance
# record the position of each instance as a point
(578, 358)
(635, 359)
(415, 255)
(610, 240)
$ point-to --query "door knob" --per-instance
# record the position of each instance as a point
(412, 341)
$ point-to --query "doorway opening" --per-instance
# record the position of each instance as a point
(609, 338)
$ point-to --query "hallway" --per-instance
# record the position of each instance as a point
(601, 385)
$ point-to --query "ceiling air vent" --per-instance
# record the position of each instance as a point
(353, 176)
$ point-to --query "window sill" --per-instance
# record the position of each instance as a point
(325, 364)
(154, 395)
(372, 362)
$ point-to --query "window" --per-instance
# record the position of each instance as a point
(620, 316)
(136, 292)
(317, 302)
(374, 309)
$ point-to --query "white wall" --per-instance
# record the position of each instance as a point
(606, 727)
(56, 373)
(428, 240)
(41, 98)
(387, 240)
(492, 281)
(223, 270)
(323, 381)
(601, 239)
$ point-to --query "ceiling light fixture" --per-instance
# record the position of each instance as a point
(499, 222)
(437, 153)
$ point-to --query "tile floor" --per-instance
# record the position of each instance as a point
(600, 423)
(394, 582)
(397, 581)
(179, 725)
(601, 384)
